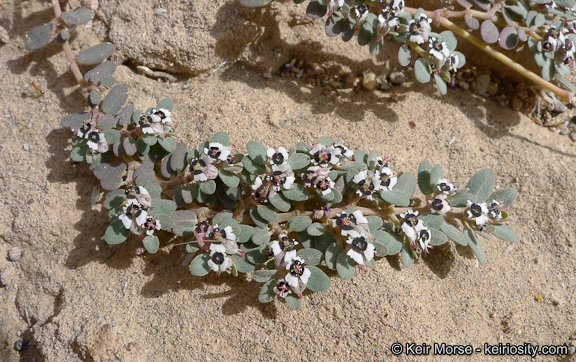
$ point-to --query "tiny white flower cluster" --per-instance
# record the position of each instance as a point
(324, 158)
(415, 231)
(355, 226)
(158, 122)
(419, 29)
(223, 242)
(280, 177)
(381, 179)
(482, 213)
(96, 139)
(285, 256)
(203, 168)
(555, 40)
(442, 58)
(388, 20)
(444, 189)
(134, 217)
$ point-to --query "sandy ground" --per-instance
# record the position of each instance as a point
(78, 299)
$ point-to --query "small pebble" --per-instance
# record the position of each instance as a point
(539, 298)
(22, 344)
(516, 103)
(15, 254)
(369, 81)
(464, 85)
(6, 275)
(573, 136)
(26, 147)
(397, 78)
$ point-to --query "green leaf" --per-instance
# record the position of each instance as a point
(360, 156)
(267, 292)
(78, 154)
(191, 248)
(318, 281)
(261, 236)
(166, 222)
(280, 203)
(326, 141)
(161, 206)
(293, 301)
(436, 174)
(149, 139)
(221, 216)
(153, 189)
(475, 245)
(454, 233)
(262, 276)
(255, 4)
(168, 143)
(112, 136)
(267, 213)
(199, 265)
(395, 197)
(481, 185)
(372, 160)
(38, 36)
(506, 233)
(296, 193)
(356, 165)
(310, 256)
(432, 221)
(395, 245)
(460, 201)
(258, 220)
(315, 229)
(166, 103)
(78, 17)
(407, 256)
(114, 199)
(298, 161)
(299, 223)
(406, 183)
(438, 238)
(229, 179)
(331, 255)
(345, 266)
(440, 83)
(323, 241)
(424, 171)
(421, 71)
(257, 152)
(116, 233)
(381, 249)
(94, 98)
(374, 222)
(222, 138)
(252, 167)
(208, 187)
(381, 237)
(505, 196)
(95, 54)
(151, 243)
(246, 233)
(404, 56)
(241, 264)
(115, 99)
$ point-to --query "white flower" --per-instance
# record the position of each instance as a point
(84, 129)
(97, 142)
(550, 5)
(277, 156)
(439, 204)
(345, 153)
(284, 250)
(439, 50)
(133, 215)
(362, 250)
(368, 182)
(446, 187)
(298, 275)
(495, 210)
(387, 179)
(317, 177)
(394, 4)
(203, 169)
(160, 115)
(424, 238)
(453, 62)
(282, 289)
(386, 21)
(553, 39)
(137, 195)
(334, 5)
(478, 212)
(323, 156)
(226, 233)
(217, 151)
(351, 224)
(219, 261)
(361, 12)
(150, 225)
(282, 177)
(411, 225)
(419, 29)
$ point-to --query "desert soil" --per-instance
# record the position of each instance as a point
(75, 298)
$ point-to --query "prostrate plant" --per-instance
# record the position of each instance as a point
(547, 27)
(282, 213)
